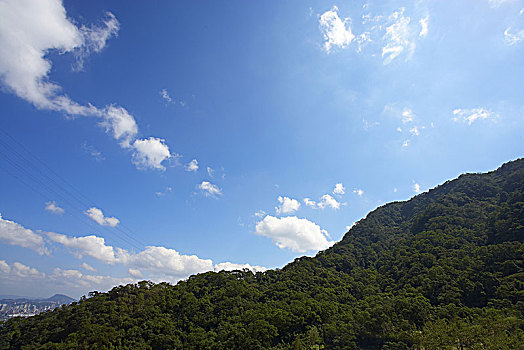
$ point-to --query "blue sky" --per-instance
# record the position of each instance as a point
(157, 140)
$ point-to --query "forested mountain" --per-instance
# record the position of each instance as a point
(444, 270)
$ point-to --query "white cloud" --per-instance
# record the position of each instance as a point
(209, 189)
(328, 201)
(17, 271)
(192, 165)
(4, 267)
(395, 190)
(76, 279)
(512, 39)
(135, 273)
(161, 261)
(299, 235)
(15, 234)
(210, 172)
(53, 208)
(368, 125)
(325, 201)
(416, 187)
(260, 214)
(88, 267)
(227, 266)
(405, 143)
(423, 27)
(310, 203)
(92, 246)
(29, 31)
(96, 37)
(472, 114)
(497, 3)
(287, 205)
(93, 152)
(167, 190)
(415, 131)
(165, 96)
(334, 30)
(121, 124)
(150, 153)
(339, 189)
(399, 37)
(407, 115)
(98, 216)
(359, 192)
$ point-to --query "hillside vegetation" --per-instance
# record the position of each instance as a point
(444, 270)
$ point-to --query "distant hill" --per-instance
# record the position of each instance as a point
(61, 299)
(443, 270)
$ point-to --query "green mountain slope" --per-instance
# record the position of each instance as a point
(444, 270)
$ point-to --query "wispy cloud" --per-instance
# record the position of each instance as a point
(209, 189)
(471, 115)
(392, 35)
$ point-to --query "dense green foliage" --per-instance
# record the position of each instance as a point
(444, 270)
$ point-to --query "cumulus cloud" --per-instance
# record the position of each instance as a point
(209, 189)
(15, 234)
(416, 187)
(31, 29)
(287, 205)
(18, 271)
(210, 172)
(339, 189)
(161, 261)
(76, 279)
(150, 153)
(98, 216)
(325, 202)
(299, 235)
(53, 208)
(192, 165)
(121, 124)
(92, 246)
(473, 114)
(334, 30)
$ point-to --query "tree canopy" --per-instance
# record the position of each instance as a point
(443, 270)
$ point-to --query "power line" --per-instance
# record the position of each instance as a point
(21, 163)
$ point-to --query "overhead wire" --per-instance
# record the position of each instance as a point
(21, 163)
